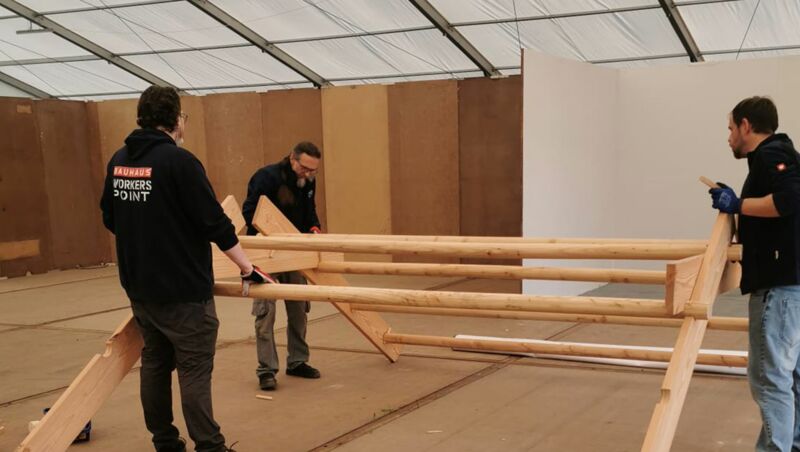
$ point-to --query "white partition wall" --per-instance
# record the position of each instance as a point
(569, 147)
(618, 152)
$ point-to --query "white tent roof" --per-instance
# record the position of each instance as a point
(95, 49)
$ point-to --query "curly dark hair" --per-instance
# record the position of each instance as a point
(158, 106)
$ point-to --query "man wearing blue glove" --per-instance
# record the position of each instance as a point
(769, 230)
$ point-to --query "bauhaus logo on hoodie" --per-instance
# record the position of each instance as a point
(132, 183)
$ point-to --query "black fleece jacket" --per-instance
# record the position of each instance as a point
(160, 206)
(771, 254)
(278, 182)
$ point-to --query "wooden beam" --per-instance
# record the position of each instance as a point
(87, 393)
(675, 386)
(643, 251)
(267, 220)
(681, 277)
(497, 239)
(710, 275)
(19, 249)
(714, 323)
(462, 300)
(495, 272)
(560, 348)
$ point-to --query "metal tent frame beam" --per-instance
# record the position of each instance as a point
(251, 36)
(88, 9)
(684, 35)
(24, 87)
(455, 36)
(83, 43)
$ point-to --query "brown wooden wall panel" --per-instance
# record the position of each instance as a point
(24, 210)
(233, 141)
(423, 151)
(78, 236)
(289, 117)
(116, 119)
(356, 136)
(194, 139)
(490, 136)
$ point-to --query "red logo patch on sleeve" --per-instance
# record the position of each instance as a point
(781, 166)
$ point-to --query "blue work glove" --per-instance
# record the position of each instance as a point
(725, 199)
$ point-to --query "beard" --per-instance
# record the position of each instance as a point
(302, 181)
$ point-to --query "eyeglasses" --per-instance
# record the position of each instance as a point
(184, 116)
(305, 168)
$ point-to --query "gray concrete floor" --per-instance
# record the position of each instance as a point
(431, 399)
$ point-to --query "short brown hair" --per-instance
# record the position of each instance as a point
(159, 106)
(307, 147)
(760, 112)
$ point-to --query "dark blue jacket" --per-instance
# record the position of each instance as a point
(772, 245)
(278, 182)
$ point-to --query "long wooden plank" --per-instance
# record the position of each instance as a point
(460, 300)
(675, 386)
(714, 323)
(562, 348)
(496, 272)
(87, 393)
(19, 249)
(681, 278)
(268, 219)
(644, 251)
(499, 239)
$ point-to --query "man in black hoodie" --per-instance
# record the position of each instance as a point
(769, 230)
(160, 206)
(290, 185)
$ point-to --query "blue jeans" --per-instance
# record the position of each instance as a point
(773, 368)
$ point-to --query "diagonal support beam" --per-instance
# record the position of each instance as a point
(455, 36)
(22, 86)
(268, 219)
(82, 42)
(257, 40)
(676, 20)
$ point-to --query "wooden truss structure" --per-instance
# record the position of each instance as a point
(696, 273)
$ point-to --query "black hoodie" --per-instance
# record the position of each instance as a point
(160, 206)
(771, 255)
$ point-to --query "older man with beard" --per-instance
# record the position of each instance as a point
(290, 185)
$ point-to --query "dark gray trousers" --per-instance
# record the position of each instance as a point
(297, 319)
(179, 336)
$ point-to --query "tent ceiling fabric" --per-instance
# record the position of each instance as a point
(368, 41)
